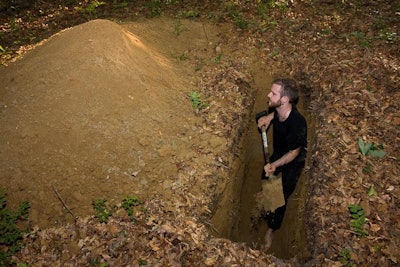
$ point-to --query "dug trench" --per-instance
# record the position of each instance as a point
(236, 217)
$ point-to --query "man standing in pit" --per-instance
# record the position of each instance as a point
(289, 144)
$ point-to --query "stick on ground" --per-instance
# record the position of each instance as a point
(62, 201)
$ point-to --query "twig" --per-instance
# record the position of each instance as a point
(212, 227)
(204, 29)
(62, 201)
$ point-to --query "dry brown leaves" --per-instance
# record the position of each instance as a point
(157, 238)
(354, 94)
(354, 80)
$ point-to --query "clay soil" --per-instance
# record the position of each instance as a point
(101, 107)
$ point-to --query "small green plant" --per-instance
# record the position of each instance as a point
(358, 219)
(389, 36)
(155, 7)
(183, 57)
(91, 9)
(367, 168)
(237, 17)
(275, 53)
(123, 4)
(372, 192)
(189, 14)
(345, 257)
(370, 149)
(102, 211)
(362, 39)
(196, 101)
(217, 58)
(129, 203)
(267, 24)
(10, 234)
(178, 29)
(241, 22)
(325, 31)
(142, 262)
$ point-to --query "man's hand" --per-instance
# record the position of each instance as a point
(265, 120)
(269, 169)
(285, 159)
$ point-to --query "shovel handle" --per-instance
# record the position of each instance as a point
(265, 143)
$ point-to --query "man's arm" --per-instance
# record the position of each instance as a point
(285, 159)
(265, 120)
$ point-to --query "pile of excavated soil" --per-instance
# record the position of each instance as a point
(100, 111)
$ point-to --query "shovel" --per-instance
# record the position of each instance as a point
(271, 196)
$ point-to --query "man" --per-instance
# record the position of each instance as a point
(289, 144)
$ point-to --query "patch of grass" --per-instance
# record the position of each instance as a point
(262, 9)
(274, 53)
(91, 9)
(196, 101)
(5, 55)
(217, 59)
(390, 37)
(360, 38)
(142, 262)
(358, 219)
(155, 7)
(10, 234)
(128, 205)
(102, 211)
(345, 258)
(325, 31)
(267, 24)
(238, 18)
(242, 23)
(178, 27)
(121, 5)
(183, 57)
(189, 14)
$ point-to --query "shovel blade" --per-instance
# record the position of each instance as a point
(271, 196)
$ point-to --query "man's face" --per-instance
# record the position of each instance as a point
(275, 96)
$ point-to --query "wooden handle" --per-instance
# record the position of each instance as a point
(265, 144)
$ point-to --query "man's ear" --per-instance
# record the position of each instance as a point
(285, 99)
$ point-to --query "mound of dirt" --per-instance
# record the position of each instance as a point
(94, 112)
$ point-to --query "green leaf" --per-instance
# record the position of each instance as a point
(364, 147)
(354, 208)
(354, 216)
(377, 153)
(372, 191)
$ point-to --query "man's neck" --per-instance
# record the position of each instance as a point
(284, 111)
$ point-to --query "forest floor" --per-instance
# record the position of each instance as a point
(103, 110)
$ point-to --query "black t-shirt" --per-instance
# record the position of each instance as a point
(289, 135)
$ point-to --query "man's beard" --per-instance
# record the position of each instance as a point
(274, 104)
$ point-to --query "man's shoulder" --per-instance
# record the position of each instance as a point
(296, 112)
